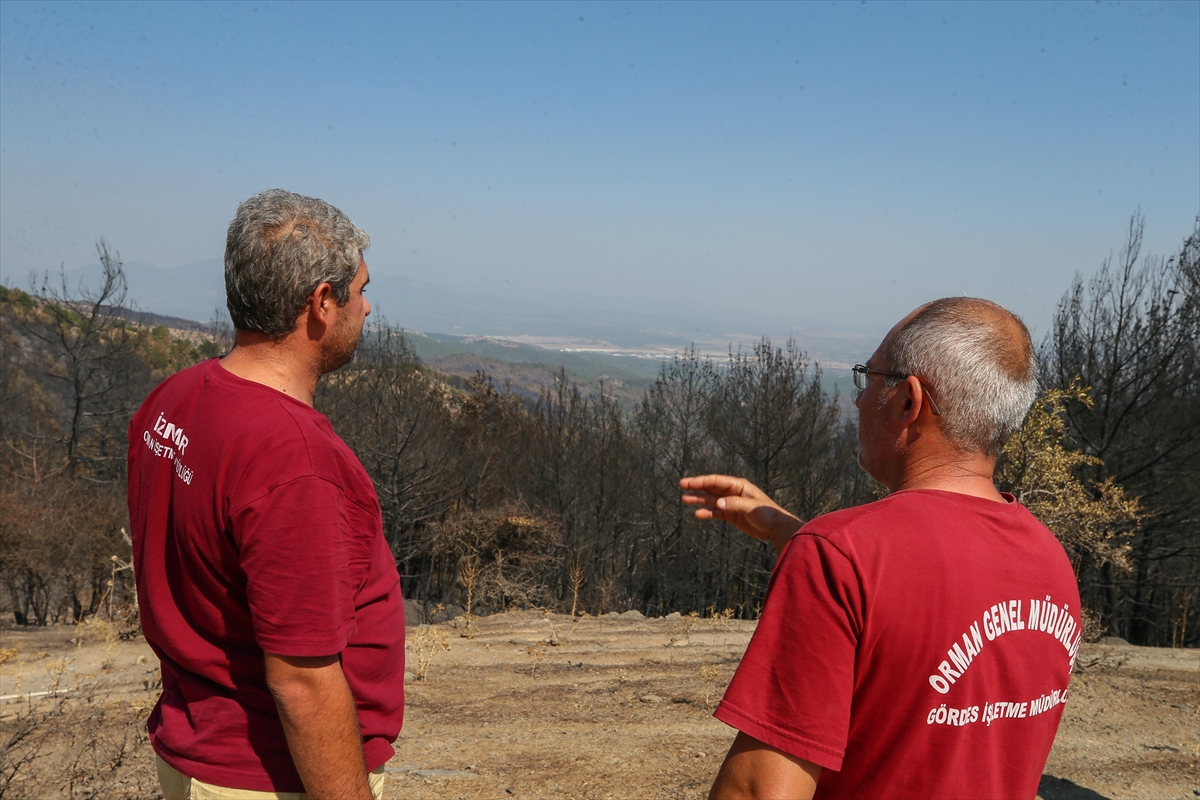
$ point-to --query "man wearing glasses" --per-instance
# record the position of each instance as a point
(920, 645)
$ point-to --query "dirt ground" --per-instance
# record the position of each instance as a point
(540, 705)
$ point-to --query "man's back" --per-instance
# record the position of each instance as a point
(898, 649)
(255, 529)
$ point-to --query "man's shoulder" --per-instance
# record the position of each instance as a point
(184, 379)
(226, 394)
(176, 391)
(279, 430)
(281, 439)
(917, 507)
(847, 519)
(226, 415)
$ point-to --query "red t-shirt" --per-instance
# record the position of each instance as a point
(919, 646)
(255, 528)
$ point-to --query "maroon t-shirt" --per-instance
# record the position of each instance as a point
(919, 646)
(255, 528)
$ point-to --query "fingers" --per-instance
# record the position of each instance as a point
(716, 514)
(731, 504)
(721, 485)
(700, 498)
(732, 500)
(728, 509)
(723, 497)
(743, 505)
(711, 483)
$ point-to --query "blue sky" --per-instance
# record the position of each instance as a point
(755, 168)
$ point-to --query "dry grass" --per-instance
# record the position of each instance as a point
(427, 640)
(682, 628)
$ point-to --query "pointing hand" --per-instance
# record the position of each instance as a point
(742, 504)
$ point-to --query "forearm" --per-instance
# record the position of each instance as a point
(321, 724)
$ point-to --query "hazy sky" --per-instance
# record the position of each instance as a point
(775, 166)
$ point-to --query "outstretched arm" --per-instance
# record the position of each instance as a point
(742, 504)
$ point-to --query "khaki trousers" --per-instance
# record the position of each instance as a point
(177, 786)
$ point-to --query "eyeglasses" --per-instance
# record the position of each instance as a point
(861, 371)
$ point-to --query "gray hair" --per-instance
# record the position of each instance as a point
(980, 363)
(280, 247)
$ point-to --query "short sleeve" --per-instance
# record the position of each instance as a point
(292, 546)
(794, 686)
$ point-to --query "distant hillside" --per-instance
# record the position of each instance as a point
(152, 320)
(526, 379)
(527, 369)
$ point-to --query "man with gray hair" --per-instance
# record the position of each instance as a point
(918, 646)
(265, 584)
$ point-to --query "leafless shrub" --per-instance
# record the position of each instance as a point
(709, 674)
(723, 620)
(509, 554)
(537, 654)
(575, 579)
(1093, 627)
(427, 641)
(68, 744)
(681, 629)
(471, 570)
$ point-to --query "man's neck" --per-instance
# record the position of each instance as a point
(283, 364)
(964, 473)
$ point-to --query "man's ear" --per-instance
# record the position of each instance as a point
(914, 397)
(321, 303)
